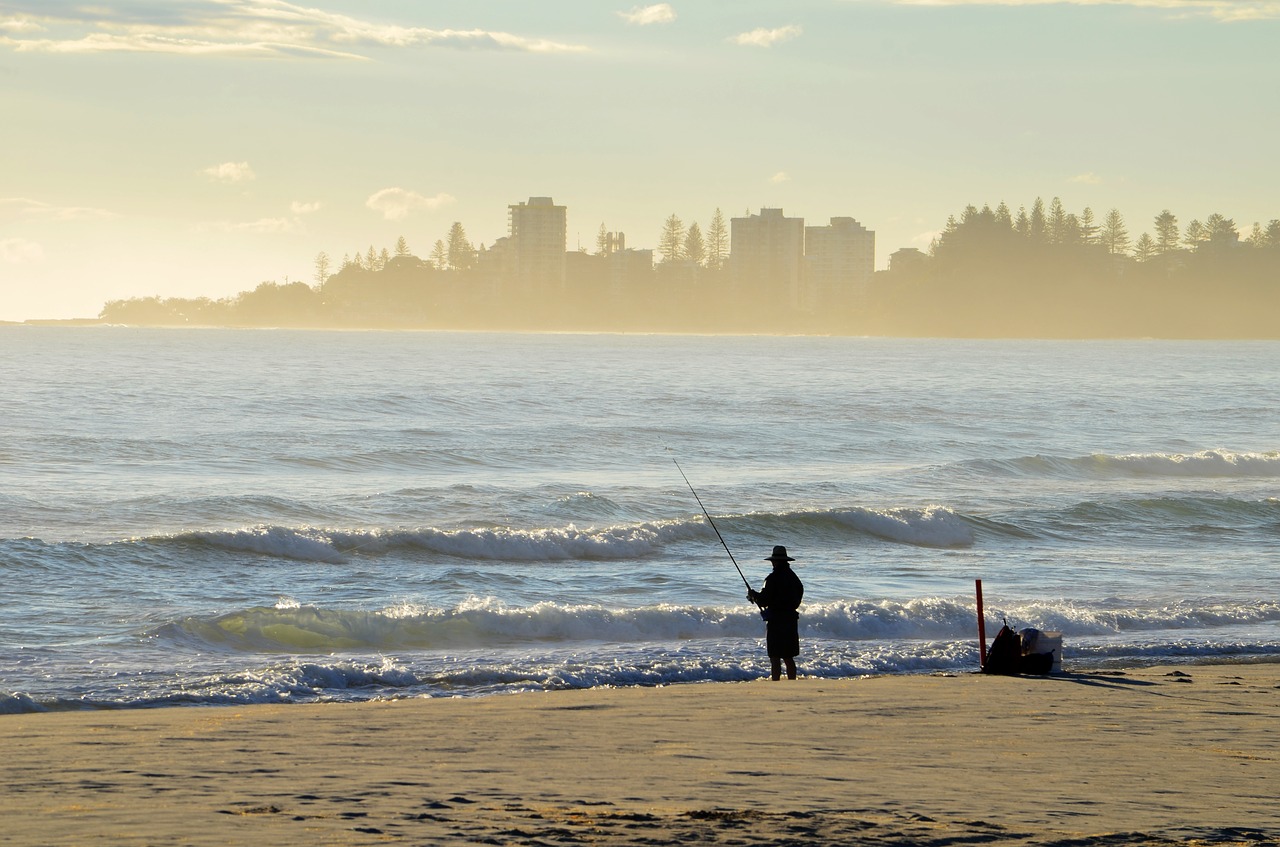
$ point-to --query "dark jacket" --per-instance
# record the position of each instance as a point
(782, 593)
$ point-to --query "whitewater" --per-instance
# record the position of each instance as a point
(222, 516)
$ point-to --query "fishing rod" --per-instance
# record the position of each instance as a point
(713, 524)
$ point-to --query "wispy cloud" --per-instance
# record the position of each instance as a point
(779, 178)
(1089, 178)
(262, 226)
(660, 13)
(767, 37)
(19, 251)
(230, 172)
(1223, 10)
(396, 204)
(22, 208)
(19, 23)
(234, 28)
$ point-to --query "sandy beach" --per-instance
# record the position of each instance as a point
(1147, 756)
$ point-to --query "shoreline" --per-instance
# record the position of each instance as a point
(1160, 754)
(525, 330)
(20, 702)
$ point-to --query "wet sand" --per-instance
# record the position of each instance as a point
(1146, 756)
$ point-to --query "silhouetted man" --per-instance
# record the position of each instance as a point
(779, 599)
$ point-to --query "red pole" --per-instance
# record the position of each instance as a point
(982, 625)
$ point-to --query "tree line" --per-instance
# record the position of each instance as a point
(1042, 272)
(1057, 226)
(1049, 272)
(678, 243)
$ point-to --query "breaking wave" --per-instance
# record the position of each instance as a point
(1198, 515)
(932, 526)
(331, 654)
(485, 623)
(1204, 464)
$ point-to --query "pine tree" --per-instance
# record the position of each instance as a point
(322, 267)
(402, 247)
(694, 248)
(1196, 235)
(439, 255)
(671, 242)
(1088, 228)
(602, 240)
(461, 253)
(1114, 235)
(1072, 232)
(1222, 230)
(946, 237)
(1037, 221)
(717, 242)
(1003, 216)
(1273, 234)
(1145, 249)
(1257, 238)
(1022, 225)
(1057, 222)
(1268, 236)
(1166, 233)
(371, 259)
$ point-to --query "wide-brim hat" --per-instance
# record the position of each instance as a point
(779, 555)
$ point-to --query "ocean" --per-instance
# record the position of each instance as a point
(227, 517)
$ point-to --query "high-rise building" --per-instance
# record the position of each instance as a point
(766, 258)
(840, 260)
(537, 246)
(630, 274)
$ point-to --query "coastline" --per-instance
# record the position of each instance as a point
(499, 328)
(1146, 755)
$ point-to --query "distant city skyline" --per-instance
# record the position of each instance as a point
(767, 256)
(197, 147)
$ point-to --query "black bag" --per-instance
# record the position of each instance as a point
(1005, 654)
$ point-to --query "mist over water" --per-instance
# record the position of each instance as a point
(241, 516)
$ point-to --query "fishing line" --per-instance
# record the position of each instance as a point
(713, 524)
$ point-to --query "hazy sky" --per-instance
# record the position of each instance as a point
(199, 147)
